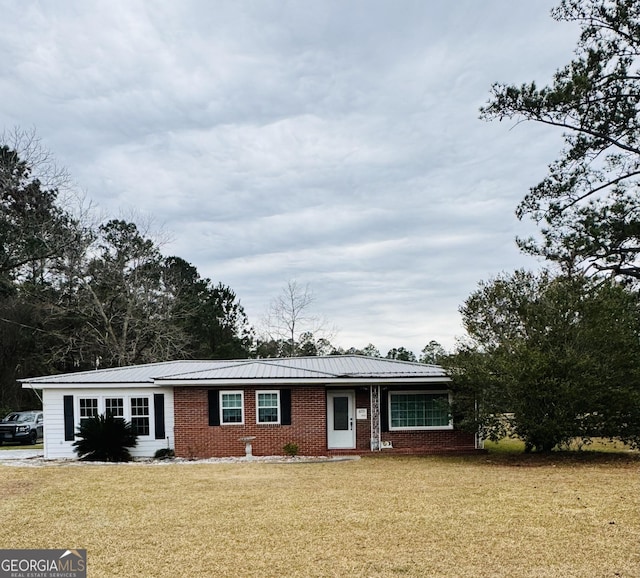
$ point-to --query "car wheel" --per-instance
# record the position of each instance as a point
(33, 438)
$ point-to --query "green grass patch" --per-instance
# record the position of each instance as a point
(515, 446)
(505, 446)
(19, 446)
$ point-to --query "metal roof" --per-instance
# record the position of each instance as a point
(147, 373)
(313, 369)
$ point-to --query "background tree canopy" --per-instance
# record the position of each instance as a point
(549, 359)
(76, 296)
(588, 205)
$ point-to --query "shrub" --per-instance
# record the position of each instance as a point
(105, 439)
(164, 454)
(291, 449)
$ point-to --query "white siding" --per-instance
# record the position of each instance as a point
(55, 445)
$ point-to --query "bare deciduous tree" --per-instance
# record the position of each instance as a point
(41, 162)
(289, 319)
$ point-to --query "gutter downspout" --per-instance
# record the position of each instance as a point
(37, 394)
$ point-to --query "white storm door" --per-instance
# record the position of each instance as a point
(341, 427)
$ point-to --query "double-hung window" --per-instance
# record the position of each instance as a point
(419, 410)
(140, 415)
(268, 407)
(88, 408)
(136, 410)
(231, 407)
(114, 406)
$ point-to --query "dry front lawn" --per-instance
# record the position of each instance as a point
(479, 516)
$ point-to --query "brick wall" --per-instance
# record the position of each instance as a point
(195, 438)
(430, 441)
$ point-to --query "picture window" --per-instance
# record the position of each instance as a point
(419, 410)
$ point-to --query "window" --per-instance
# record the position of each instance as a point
(88, 408)
(140, 415)
(135, 410)
(419, 410)
(114, 406)
(268, 406)
(231, 407)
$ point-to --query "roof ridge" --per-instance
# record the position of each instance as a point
(406, 362)
(109, 369)
(272, 360)
(223, 363)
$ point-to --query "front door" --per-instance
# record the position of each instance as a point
(341, 430)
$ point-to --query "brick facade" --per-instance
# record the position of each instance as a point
(195, 438)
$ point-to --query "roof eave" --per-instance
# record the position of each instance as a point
(339, 381)
(88, 385)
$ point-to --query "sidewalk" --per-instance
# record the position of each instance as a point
(20, 454)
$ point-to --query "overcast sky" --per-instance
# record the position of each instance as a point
(336, 143)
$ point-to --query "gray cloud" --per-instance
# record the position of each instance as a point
(336, 143)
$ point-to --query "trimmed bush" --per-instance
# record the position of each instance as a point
(105, 439)
(291, 449)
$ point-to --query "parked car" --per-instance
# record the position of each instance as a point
(22, 426)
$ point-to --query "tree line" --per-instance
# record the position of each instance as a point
(291, 328)
(77, 295)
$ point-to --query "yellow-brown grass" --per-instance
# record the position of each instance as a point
(478, 516)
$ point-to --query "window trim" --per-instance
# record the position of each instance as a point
(449, 426)
(222, 408)
(278, 406)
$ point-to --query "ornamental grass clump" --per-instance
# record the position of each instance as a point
(105, 439)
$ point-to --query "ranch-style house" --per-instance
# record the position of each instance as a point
(201, 409)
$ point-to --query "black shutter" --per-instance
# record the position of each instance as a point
(384, 410)
(69, 425)
(214, 407)
(158, 412)
(285, 406)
